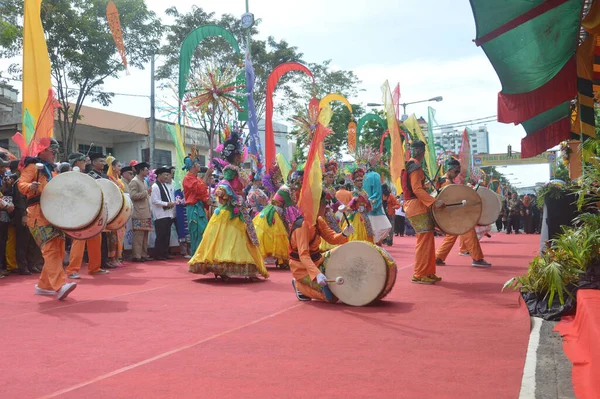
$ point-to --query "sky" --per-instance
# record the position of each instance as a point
(425, 46)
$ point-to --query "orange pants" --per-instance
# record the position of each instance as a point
(425, 254)
(11, 249)
(53, 275)
(94, 246)
(468, 240)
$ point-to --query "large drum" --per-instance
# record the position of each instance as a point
(123, 216)
(119, 207)
(71, 201)
(491, 206)
(368, 273)
(462, 210)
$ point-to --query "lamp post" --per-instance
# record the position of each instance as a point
(436, 99)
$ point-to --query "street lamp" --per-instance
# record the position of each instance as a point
(436, 99)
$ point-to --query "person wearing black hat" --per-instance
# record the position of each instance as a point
(163, 210)
(98, 164)
(127, 174)
(78, 161)
(141, 217)
(417, 204)
(51, 241)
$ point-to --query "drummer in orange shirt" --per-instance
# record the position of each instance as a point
(417, 204)
(51, 241)
(470, 238)
(306, 260)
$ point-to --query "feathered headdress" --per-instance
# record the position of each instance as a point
(331, 167)
(367, 156)
(273, 179)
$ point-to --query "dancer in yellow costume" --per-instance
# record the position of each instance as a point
(358, 210)
(273, 224)
(230, 247)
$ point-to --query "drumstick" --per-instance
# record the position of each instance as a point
(341, 209)
(338, 280)
(38, 166)
(462, 203)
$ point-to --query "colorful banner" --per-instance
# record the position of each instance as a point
(36, 64)
(397, 160)
(254, 147)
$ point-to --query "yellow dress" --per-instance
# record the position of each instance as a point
(274, 241)
(360, 229)
(226, 249)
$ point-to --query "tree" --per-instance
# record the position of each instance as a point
(266, 55)
(83, 53)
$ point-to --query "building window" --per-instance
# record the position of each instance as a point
(161, 157)
(4, 143)
(85, 148)
(110, 151)
(202, 159)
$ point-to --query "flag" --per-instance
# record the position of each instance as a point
(465, 158)
(396, 99)
(312, 181)
(430, 139)
(36, 64)
(430, 159)
(397, 160)
(255, 148)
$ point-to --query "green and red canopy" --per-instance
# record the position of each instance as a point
(532, 46)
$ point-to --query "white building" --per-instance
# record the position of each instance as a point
(450, 138)
(282, 144)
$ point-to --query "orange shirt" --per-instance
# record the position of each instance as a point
(420, 205)
(305, 241)
(392, 205)
(28, 176)
(194, 190)
(344, 196)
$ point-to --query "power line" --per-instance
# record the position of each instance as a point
(491, 118)
(94, 91)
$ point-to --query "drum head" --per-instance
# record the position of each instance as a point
(491, 204)
(363, 269)
(457, 219)
(71, 200)
(112, 196)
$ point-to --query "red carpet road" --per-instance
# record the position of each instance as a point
(156, 331)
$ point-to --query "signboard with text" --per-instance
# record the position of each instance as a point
(514, 159)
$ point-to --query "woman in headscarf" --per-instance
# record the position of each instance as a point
(527, 210)
(115, 238)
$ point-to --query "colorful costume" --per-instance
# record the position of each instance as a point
(230, 246)
(469, 240)
(360, 205)
(417, 203)
(115, 238)
(197, 200)
(273, 224)
(379, 221)
(50, 240)
(306, 259)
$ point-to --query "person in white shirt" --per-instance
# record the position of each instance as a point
(399, 220)
(163, 210)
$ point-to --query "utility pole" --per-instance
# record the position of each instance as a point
(152, 115)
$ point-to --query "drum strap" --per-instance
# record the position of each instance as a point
(33, 201)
